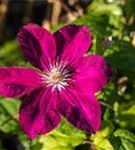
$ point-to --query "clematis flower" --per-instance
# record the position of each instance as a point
(63, 83)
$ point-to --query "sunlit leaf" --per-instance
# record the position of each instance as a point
(65, 137)
(101, 138)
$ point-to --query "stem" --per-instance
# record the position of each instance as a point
(106, 105)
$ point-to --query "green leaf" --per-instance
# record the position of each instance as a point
(65, 137)
(127, 138)
(129, 9)
(123, 133)
(121, 55)
(101, 138)
(8, 115)
(27, 144)
(103, 22)
(128, 145)
(10, 54)
(125, 114)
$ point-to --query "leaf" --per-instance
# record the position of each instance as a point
(27, 144)
(127, 138)
(8, 115)
(123, 133)
(121, 55)
(65, 137)
(10, 53)
(129, 9)
(128, 145)
(101, 138)
(125, 114)
(103, 22)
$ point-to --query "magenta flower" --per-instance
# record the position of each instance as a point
(65, 83)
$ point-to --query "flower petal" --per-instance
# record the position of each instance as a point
(38, 45)
(92, 73)
(38, 113)
(83, 111)
(15, 81)
(72, 42)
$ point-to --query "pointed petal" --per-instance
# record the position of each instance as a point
(38, 113)
(83, 111)
(93, 73)
(15, 81)
(38, 45)
(72, 42)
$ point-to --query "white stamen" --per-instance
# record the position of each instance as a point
(57, 77)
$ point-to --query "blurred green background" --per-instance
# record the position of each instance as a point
(112, 23)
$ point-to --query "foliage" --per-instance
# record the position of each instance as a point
(66, 137)
(112, 40)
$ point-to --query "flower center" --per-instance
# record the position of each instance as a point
(57, 77)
